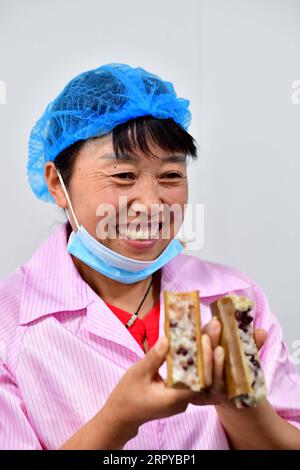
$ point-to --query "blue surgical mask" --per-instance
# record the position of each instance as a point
(110, 263)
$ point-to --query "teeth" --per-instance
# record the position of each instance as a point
(138, 235)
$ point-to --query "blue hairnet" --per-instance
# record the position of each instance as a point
(91, 105)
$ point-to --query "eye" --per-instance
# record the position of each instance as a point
(172, 175)
(125, 176)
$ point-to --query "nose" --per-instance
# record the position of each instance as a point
(148, 191)
(147, 197)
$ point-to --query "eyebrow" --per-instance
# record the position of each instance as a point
(126, 158)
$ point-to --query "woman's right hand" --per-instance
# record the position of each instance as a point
(141, 394)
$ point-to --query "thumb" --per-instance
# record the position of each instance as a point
(155, 357)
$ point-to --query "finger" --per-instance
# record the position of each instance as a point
(260, 336)
(154, 358)
(213, 330)
(219, 360)
(207, 353)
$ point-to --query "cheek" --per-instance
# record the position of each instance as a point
(92, 206)
(176, 196)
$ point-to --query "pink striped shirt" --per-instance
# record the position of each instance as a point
(63, 350)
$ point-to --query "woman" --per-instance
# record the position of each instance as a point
(79, 316)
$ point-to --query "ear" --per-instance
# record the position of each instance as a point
(54, 185)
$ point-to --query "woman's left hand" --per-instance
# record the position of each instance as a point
(213, 365)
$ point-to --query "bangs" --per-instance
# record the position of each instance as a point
(139, 134)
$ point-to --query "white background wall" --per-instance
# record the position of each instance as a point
(235, 60)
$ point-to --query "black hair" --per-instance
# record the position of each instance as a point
(133, 136)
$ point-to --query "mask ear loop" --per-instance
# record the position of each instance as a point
(68, 199)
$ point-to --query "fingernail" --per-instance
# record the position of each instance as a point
(205, 338)
(219, 351)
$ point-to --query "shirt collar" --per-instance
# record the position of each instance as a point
(51, 281)
(186, 273)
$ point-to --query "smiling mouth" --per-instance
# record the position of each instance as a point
(149, 232)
